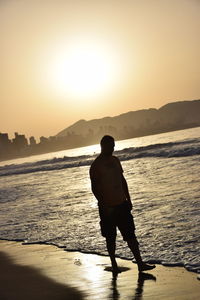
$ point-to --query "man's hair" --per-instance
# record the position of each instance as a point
(106, 139)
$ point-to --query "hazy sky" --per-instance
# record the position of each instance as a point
(65, 60)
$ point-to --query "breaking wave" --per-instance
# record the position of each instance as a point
(183, 148)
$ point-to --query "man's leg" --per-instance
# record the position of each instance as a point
(111, 246)
(127, 228)
(109, 231)
(134, 247)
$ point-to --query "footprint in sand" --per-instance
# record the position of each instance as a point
(77, 262)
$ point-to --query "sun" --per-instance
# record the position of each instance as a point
(83, 69)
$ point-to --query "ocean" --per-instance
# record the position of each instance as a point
(47, 198)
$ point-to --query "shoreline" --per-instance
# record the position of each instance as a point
(42, 271)
(172, 265)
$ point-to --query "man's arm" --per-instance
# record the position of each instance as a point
(126, 191)
(95, 189)
(95, 183)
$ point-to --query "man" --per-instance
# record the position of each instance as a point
(111, 191)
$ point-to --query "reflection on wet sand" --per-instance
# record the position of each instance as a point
(137, 294)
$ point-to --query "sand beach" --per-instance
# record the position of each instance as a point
(47, 272)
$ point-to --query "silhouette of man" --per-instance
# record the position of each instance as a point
(111, 191)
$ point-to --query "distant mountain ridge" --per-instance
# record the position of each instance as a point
(172, 116)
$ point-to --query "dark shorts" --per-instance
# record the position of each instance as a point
(117, 216)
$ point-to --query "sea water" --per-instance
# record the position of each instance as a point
(47, 198)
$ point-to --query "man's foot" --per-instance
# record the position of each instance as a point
(115, 271)
(145, 267)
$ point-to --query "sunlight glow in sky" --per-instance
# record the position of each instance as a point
(63, 60)
(81, 70)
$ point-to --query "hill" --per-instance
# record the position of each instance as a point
(172, 116)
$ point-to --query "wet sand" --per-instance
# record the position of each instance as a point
(47, 272)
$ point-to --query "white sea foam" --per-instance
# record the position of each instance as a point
(165, 150)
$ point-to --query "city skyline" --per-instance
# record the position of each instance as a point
(171, 117)
(62, 61)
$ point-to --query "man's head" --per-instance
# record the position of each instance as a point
(107, 145)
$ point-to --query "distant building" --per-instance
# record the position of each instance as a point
(32, 141)
(20, 141)
(43, 140)
(4, 140)
(5, 146)
(52, 138)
